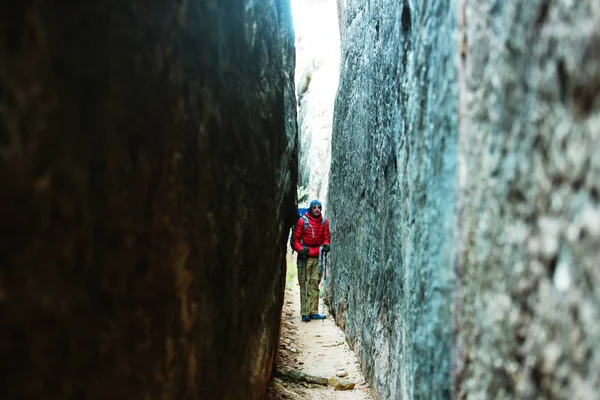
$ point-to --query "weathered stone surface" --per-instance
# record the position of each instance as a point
(529, 277)
(341, 373)
(148, 173)
(341, 384)
(464, 196)
(392, 193)
(278, 391)
(296, 376)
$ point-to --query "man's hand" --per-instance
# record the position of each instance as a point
(304, 252)
(326, 248)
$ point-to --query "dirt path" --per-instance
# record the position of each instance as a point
(316, 348)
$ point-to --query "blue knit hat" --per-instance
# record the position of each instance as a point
(315, 203)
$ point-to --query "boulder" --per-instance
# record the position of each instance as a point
(141, 146)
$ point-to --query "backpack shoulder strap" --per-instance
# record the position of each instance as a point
(306, 223)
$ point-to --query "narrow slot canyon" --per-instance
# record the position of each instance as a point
(154, 157)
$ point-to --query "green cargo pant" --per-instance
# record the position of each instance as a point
(309, 279)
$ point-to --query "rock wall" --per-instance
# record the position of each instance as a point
(464, 197)
(317, 73)
(528, 272)
(392, 193)
(141, 144)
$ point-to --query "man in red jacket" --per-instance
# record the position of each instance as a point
(307, 241)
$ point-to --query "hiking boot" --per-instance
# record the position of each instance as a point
(317, 316)
(305, 318)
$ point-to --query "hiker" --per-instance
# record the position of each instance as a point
(307, 241)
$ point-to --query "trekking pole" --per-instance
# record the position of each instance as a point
(324, 283)
(306, 292)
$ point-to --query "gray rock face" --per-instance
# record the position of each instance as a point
(464, 197)
(392, 193)
(529, 306)
(141, 146)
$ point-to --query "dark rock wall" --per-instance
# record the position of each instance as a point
(529, 267)
(148, 173)
(464, 197)
(392, 193)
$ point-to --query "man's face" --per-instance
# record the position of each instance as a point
(316, 211)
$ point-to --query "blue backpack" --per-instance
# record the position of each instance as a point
(301, 214)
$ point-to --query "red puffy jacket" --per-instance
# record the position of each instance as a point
(314, 236)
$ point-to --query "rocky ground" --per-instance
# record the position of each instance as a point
(312, 352)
